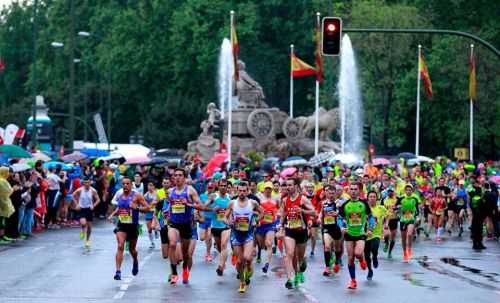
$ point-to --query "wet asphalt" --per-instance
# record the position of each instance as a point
(54, 266)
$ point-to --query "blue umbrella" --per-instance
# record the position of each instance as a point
(56, 164)
(94, 152)
(294, 161)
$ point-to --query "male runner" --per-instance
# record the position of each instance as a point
(332, 235)
(220, 230)
(408, 206)
(267, 225)
(86, 199)
(379, 213)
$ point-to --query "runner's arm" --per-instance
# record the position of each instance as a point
(96, 198)
(196, 200)
(140, 204)
(307, 207)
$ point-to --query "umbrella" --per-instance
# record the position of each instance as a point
(381, 161)
(420, 159)
(321, 158)
(406, 156)
(94, 152)
(20, 167)
(214, 163)
(348, 159)
(495, 179)
(56, 164)
(157, 161)
(14, 151)
(294, 161)
(140, 159)
(288, 172)
(269, 163)
(41, 156)
(74, 157)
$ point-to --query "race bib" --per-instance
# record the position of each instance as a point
(295, 223)
(355, 219)
(178, 207)
(221, 215)
(460, 202)
(329, 220)
(242, 223)
(408, 215)
(124, 216)
(440, 212)
(268, 217)
(294, 219)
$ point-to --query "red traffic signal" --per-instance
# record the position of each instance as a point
(331, 36)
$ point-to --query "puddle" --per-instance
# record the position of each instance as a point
(279, 271)
(417, 282)
(454, 262)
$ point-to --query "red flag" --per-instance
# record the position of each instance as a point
(2, 65)
(20, 133)
(424, 73)
(300, 68)
(472, 78)
(319, 63)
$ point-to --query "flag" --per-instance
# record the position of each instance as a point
(319, 63)
(300, 68)
(10, 133)
(424, 73)
(472, 78)
(20, 133)
(2, 132)
(236, 51)
(2, 65)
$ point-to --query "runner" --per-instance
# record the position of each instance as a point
(293, 209)
(332, 235)
(267, 226)
(355, 214)
(183, 199)
(391, 204)
(86, 199)
(408, 206)
(379, 214)
(220, 230)
(206, 226)
(129, 204)
(312, 221)
(438, 208)
(151, 198)
(242, 211)
(137, 185)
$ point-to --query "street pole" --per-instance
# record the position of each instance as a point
(316, 115)
(72, 75)
(291, 81)
(108, 122)
(230, 99)
(471, 129)
(34, 131)
(86, 100)
(417, 129)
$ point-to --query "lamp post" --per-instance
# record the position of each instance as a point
(34, 131)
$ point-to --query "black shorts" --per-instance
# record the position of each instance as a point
(185, 229)
(299, 235)
(427, 211)
(217, 232)
(404, 226)
(87, 214)
(131, 230)
(393, 224)
(348, 237)
(333, 230)
(315, 225)
(164, 235)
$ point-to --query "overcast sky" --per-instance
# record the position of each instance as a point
(2, 2)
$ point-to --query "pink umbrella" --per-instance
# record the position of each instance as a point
(288, 172)
(380, 161)
(495, 179)
(137, 159)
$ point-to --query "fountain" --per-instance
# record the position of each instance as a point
(351, 114)
(225, 72)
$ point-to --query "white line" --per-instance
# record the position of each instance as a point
(309, 297)
(127, 281)
(124, 287)
(119, 295)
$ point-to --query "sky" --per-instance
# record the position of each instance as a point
(2, 2)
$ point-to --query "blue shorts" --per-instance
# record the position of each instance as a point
(148, 216)
(206, 225)
(239, 238)
(265, 228)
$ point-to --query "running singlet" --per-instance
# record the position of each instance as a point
(151, 201)
(355, 214)
(293, 210)
(85, 199)
(126, 215)
(180, 212)
(379, 212)
(242, 217)
(408, 209)
(438, 205)
(223, 203)
(388, 203)
(329, 213)
(270, 208)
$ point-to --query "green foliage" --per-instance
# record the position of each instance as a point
(161, 59)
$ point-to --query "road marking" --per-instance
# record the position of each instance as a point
(127, 281)
(307, 294)
(37, 249)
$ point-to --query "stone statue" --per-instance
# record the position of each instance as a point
(249, 91)
(329, 121)
(213, 113)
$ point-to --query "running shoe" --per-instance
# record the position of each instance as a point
(219, 271)
(303, 266)
(87, 244)
(405, 257)
(301, 277)
(82, 235)
(311, 255)
(386, 247)
(242, 288)
(296, 280)
(265, 268)
(234, 260)
(135, 268)
(173, 279)
(247, 275)
(118, 275)
(185, 276)
(363, 264)
(326, 272)
(336, 268)
(370, 275)
(289, 284)
(353, 284)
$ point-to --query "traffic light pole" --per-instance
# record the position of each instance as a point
(34, 131)
(425, 31)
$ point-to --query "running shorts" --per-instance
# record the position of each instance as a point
(348, 237)
(404, 226)
(87, 214)
(239, 238)
(185, 229)
(333, 230)
(263, 229)
(149, 216)
(131, 230)
(206, 224)
(164, 235)
(393, 224)
(217, 232)
(299, 235)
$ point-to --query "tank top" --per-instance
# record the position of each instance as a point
(138, 188)
(293, 210)
(223, 203)
(328, 208)
(270, 208)
(126, 215)
(242, 216)
(85, 199)
(180, 212)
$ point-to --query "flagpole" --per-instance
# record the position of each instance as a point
(471, 129)
(316, 116)
(291, 81)
(230, 99)
(417, 131)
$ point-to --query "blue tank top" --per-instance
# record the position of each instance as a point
(180, 212)
(223, 203)
(126, 215)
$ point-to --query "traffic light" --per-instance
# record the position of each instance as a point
(331, 36)
(218, 129)
(367, 133)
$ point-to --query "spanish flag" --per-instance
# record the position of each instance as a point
(424, 73)
(472, 78)
(300, 68)
(236, 51)
(319, 63)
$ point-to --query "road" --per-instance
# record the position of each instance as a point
(54, 267)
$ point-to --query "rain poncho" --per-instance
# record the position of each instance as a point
(6, 207)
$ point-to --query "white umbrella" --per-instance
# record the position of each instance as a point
(41, 156)
(18, 167)
(348, 159)
(321, 158)
(419, 160)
